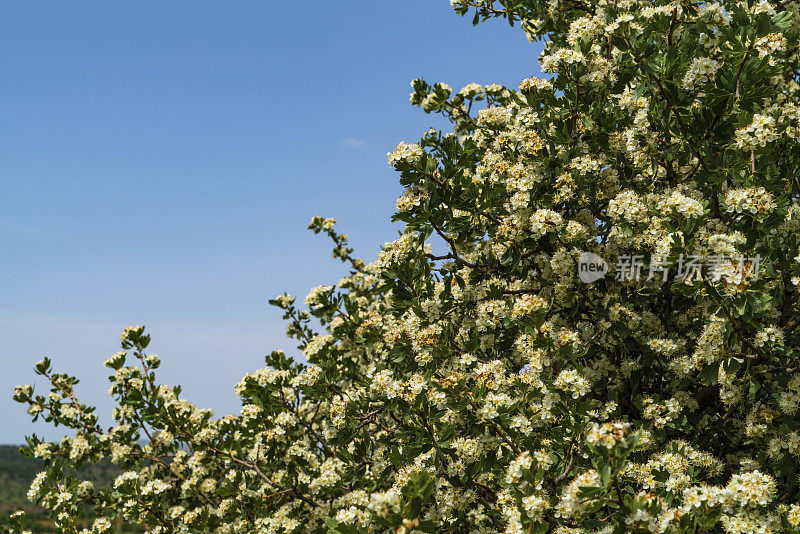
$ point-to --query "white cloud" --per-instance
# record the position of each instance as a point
(353, 142)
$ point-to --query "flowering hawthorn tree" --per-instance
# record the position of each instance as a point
(486, 388)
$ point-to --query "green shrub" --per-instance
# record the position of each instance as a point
(486, 387)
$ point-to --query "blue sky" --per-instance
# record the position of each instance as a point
(160, 161)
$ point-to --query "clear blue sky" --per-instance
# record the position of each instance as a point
(160, 161)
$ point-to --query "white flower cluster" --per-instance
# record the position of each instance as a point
(396, 251)
(627, 206)
(755, 200)
(570, 505)
(585, 27)
(517, 467)
(494, 117)
(572, 382)
(686, 206)
(762, 7)
(726, 244)
(535, 84)
(758, 133)
(663, 346)
(710, 345)
(769, 45)
(527, 304)
(551, 61)
(314, 297)
(410, 153)
(789, 399)
(544, 221)
(700, 72)
(754, 488)
(661, 413)
(35, 489)
(471, 90)
(490, 313)
(608, 435)
(769, 336)
(410, 199)
(716, 13)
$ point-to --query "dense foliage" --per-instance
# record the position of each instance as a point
(16, 473)
(486, 388)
